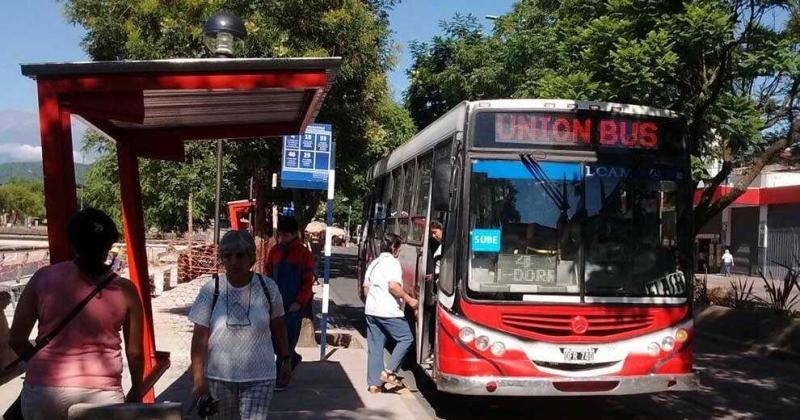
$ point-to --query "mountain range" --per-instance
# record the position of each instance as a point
(33, 171)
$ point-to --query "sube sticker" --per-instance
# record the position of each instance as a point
(485, 240)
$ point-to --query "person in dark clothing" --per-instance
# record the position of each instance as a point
(429, 314)
(291, 266)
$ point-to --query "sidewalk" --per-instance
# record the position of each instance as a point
(332, 389)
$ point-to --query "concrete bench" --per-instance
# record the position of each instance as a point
(164, 278)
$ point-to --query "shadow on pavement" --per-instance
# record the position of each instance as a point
(350, 316)
(319, 390)
(179, 310)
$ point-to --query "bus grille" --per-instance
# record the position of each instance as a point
(560, 325)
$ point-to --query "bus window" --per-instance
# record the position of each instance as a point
(422, 189)
(631, 232)
(393, 207)
(382, 207)
(408, 196)
(523, 229)
(529, 221)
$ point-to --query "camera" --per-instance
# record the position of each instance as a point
(206, 406)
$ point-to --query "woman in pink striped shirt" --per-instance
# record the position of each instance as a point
(83, 363)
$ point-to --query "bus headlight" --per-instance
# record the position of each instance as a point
(653, 349)
(668, 343)
(466, 335)
(498, 348)
(482, 343)
(681, 335)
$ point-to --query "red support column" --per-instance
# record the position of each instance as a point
(59, 171)
(133, 222)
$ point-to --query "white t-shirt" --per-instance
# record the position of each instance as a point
(240, 343)
(727, 258)
(380, 302)
(437, 256)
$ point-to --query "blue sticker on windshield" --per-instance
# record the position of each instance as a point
(485, 240)
(510, 169)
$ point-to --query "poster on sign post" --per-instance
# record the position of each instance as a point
(308, 158)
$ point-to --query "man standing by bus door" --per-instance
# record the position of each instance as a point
(429, 314)
(291, 265)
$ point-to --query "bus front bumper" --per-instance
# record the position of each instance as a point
(560, 386)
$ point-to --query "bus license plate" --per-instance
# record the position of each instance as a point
(578, 355)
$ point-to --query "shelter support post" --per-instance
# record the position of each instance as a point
(58, 167)
(133, 222)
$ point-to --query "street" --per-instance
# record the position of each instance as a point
(734, 384)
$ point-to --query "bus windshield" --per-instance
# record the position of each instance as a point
(560, 228)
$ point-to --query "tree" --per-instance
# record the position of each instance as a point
(22, 197)
(364, 118)
(165, 185)
(730, 67)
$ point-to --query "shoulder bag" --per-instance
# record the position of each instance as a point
(14, 412)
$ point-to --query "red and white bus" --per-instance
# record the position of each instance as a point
(566, 264)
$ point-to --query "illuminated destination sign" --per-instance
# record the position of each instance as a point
(509, 129)
(526, 269)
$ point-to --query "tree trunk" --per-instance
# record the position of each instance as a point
(707, 208)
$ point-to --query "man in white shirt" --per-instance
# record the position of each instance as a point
(383, 287)
(727, 262)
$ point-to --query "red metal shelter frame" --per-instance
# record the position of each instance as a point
(150, 108)
(237, 210)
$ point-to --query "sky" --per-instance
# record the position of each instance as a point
(35, 31)
(32, 31)
(418, 20)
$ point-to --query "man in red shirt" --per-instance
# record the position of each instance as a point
(291, 266)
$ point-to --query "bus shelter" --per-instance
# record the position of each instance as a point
(150, 109)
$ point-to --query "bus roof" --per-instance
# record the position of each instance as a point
(453, 121)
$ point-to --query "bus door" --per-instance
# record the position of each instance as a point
(436, 203)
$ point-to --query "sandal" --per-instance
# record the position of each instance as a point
(391, 378)
(375, 389)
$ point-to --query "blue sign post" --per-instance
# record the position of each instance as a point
(308, 162)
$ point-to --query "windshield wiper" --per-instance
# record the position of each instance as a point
(559, 198)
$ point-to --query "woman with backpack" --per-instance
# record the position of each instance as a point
(235, 316)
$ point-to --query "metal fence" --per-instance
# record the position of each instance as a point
(16, 266)
(783, 247)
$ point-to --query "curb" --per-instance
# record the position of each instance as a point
(336, 336)
(354, 334)
(765, 350)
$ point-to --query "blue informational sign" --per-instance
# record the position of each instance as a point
(308, 157)
(485, 240)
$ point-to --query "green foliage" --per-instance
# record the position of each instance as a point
(742, 294)
(728, 66)
(23, 197)
(452, 67)
(165, 185)
(366, 121)
(783, 296)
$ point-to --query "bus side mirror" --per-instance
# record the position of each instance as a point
(440, 188)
